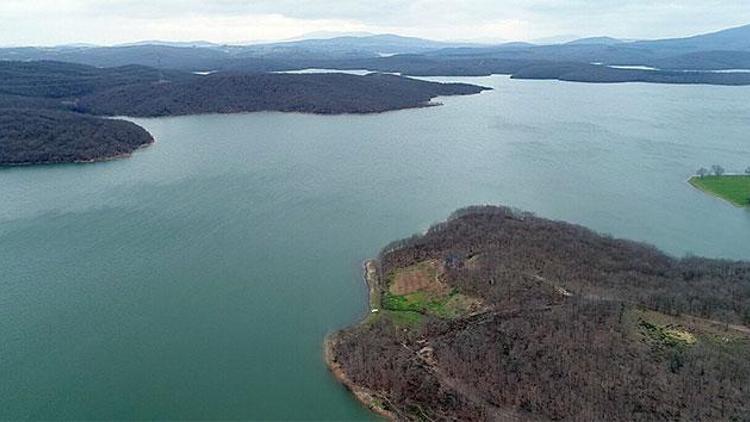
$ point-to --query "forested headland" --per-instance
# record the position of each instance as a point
(499, 314)
(329, 93)
(55, 137)
(30, 91)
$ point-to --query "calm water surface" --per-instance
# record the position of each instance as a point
(198, 278)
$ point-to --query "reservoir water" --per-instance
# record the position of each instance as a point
(197, 279)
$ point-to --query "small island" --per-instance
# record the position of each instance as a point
(733, 188)
(498, 314)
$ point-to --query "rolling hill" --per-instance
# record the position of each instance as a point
(722, 50)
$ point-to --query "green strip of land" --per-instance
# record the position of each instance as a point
(732, 188)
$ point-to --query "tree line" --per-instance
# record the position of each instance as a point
(716, 170)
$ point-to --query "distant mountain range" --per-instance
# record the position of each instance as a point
(596, 41)
(344, 47)
(617, 52)
(204, 55)
(591, 57)
(734, 39)
(200, 44)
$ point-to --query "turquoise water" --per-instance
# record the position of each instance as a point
(197, 279)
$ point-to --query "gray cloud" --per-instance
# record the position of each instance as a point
(51, 21)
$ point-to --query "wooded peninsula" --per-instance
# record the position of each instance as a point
(48, 109)
(498, 314)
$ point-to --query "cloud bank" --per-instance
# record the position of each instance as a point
(48, 22)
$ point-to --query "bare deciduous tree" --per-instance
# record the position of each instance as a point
(594, 355)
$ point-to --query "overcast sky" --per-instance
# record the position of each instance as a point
(49, 22)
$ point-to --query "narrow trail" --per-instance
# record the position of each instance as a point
(600, 298)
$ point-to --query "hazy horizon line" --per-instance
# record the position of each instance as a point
(322, 35)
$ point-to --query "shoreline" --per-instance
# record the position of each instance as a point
(120, 156)
(364, 396)
(426, 104)
(696, 186)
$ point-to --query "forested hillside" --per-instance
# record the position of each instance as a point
(230, 93)
(68, 80)
(576, 72)
(498, 314)
(51, 137)
(140, 91)
(143, 91)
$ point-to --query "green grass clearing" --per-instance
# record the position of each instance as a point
(405, 319)
(443, 306)
(732, 188)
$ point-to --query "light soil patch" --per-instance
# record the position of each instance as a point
(681, 335)
(419, 290)
(422, 277)
(474, 263)
(458, 305)
(686, 330)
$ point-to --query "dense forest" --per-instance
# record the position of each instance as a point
(540, 69)
(498, 314)
(140, 91)
(47, 79)
(51, 137)
(332, 93)
(577, 72)
(143, 91)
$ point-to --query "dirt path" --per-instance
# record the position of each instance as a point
(736, 327)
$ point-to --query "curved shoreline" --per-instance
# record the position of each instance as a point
(120, 156)
(692, 182)
(365, 396)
